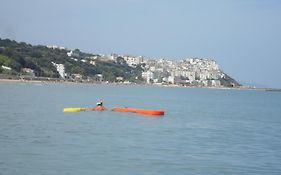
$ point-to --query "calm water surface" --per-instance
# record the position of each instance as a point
(204, 131)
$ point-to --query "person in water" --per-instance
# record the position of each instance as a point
(99, 103)
(99, 106)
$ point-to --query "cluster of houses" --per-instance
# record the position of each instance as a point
(193, 71)
(190, 72)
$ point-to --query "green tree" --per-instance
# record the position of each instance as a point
(121, 61)
(4, 60)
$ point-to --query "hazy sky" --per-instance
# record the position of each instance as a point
(243, 36)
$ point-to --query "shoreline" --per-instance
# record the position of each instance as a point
(105, 83)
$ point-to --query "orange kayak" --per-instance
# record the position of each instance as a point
(140, 111)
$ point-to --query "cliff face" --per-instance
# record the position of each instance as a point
(21, 59)
(227, 81)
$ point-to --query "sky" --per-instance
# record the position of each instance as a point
(243, 36)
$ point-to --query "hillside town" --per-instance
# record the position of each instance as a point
(57, 63)
(186, 72)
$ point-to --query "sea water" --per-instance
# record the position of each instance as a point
(203, 131)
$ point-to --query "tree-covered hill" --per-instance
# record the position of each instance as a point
(40, 59)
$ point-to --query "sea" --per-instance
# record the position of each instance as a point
(204, 131)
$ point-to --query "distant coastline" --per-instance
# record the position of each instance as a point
(2, 81)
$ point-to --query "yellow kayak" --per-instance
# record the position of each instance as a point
(97, 108)
(74, 109)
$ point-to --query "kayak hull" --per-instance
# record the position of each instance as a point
(140, 111)
(97, 108)
(74, 109)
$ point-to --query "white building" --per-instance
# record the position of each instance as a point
(60, 68)
(148, 75)
(7, 68)
(216, 83)
(171, 79)
(28, 71)
(73, 53)
(133, 60)
(56, 47)
(70, 53)
(93, 62)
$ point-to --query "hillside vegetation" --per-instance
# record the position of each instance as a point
(39, 58)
